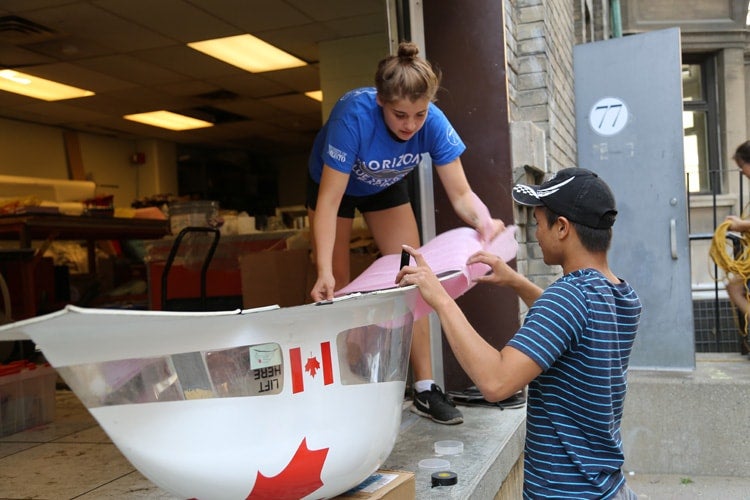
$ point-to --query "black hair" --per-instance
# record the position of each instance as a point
(743, 152)
(592, 239)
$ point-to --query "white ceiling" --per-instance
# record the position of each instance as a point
(133, 55)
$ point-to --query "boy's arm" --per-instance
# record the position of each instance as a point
(497, 374)
(501, 274)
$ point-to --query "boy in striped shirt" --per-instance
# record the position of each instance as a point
(573, 348)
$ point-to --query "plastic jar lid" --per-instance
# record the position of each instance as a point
(449, 447)
(434, 463)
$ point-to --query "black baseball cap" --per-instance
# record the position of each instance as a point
(575, 193)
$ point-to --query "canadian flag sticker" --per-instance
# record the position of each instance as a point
(316, 364)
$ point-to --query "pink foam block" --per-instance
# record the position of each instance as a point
(446, 255)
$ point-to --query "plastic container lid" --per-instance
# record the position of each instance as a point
(434, 463)
(449, 447)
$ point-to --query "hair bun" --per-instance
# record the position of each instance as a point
(407, 50)
(405, 75)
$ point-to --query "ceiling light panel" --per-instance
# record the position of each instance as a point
(315, 94)
(168, 120)
(38, 88)
(248, 53)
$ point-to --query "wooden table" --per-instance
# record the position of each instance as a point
(26, 228)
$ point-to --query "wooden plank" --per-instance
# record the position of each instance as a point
(73, 156)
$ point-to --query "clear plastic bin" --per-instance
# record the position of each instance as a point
(27, 396)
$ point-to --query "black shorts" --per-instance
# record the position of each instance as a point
(392, 196)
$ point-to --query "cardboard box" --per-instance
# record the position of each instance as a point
(285, 277)
(275, 277)
(384, 484)
(359, 261)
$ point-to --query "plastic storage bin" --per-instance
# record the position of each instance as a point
(27, 396)
(201, 213)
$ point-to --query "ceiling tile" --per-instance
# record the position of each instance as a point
(176, 19)
(189, 62)
(256, 16)
(72, 74)
(133, 54)
(327, 10)
(294, 103)
(88, 21)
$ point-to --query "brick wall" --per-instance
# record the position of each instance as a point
(540, 35)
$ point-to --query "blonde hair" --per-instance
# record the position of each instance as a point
(406, 76)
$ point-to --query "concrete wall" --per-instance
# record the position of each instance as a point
(349, 63)
(701, 16)
(692, 423)
(32, 150)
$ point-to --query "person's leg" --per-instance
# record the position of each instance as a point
(625, 493)
(737, 291)
(421, 356)
(391, 228)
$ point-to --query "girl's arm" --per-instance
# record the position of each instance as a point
(332, 186)
(465, 202)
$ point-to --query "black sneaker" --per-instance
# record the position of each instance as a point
(435, 404)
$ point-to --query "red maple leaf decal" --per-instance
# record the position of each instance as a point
(300, 477)
(312, 366)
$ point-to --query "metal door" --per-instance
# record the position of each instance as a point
(628, 95)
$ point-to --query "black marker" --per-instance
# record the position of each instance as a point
(404, 258)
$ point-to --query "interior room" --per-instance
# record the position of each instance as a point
(96, 204)
(93, 204)
(81, 156)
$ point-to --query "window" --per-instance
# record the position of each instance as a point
(700, 125)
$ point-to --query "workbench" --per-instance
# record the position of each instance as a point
(49, 227)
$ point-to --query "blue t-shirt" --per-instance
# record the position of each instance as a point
(355, 140)
(580, 332)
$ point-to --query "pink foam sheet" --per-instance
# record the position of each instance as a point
(446, 254)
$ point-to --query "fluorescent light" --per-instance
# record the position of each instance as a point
(248, 52)
(38, 88)
(315, 94)
(168, 120)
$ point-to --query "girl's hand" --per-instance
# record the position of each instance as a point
(323, 288)
(491, 229)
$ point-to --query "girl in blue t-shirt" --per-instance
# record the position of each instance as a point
(373, 139)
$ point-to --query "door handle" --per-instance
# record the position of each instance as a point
(673, 237)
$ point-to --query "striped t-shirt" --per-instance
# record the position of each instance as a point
(580, 332)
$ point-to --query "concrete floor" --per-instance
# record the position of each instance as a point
(72, 458)
(677, 487)
(69, 458)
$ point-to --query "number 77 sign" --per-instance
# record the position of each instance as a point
(608, 116)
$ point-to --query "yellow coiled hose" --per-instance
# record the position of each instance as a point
(734, 266)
